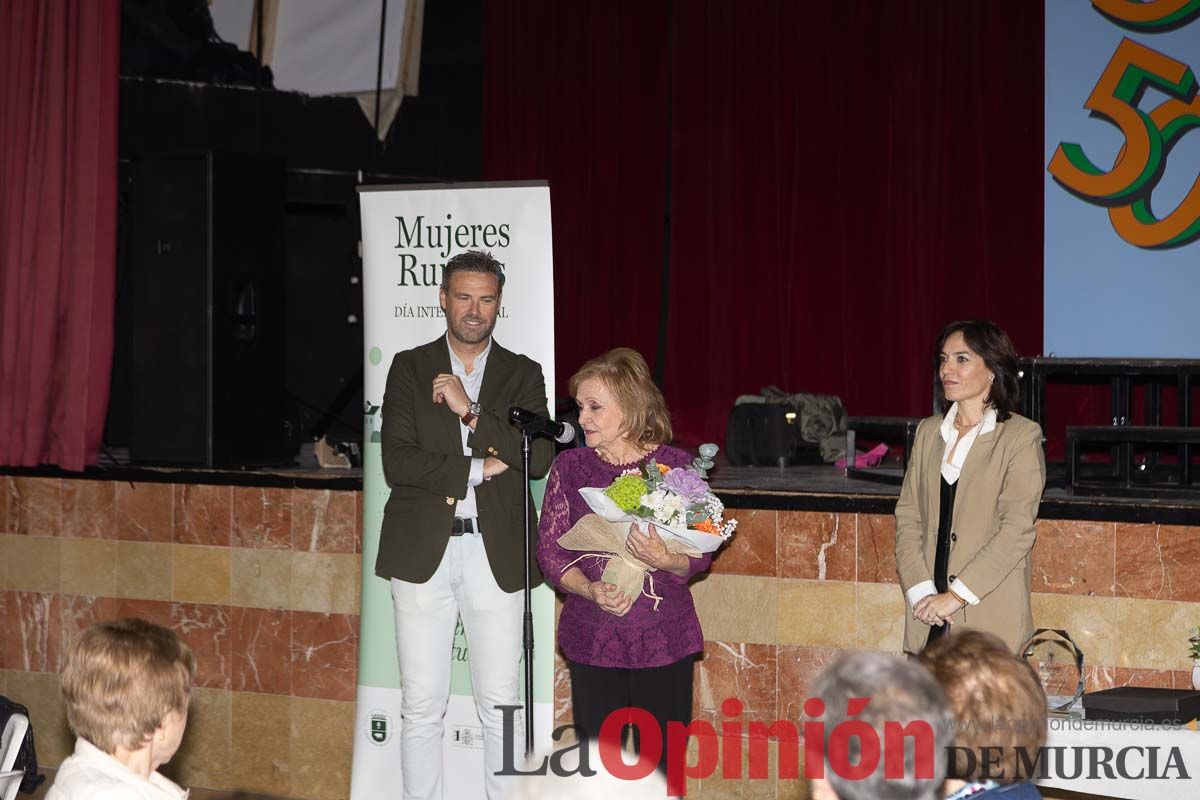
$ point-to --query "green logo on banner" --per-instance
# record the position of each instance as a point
(381, 729)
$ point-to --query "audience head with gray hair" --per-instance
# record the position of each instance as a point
(904, 711)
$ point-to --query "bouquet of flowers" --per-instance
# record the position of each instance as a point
(676, 501)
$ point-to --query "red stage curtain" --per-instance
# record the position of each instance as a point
(576, 93)
(849, 177)
(846, 178)
(58, 189)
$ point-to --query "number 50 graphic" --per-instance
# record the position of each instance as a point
(1125, 189)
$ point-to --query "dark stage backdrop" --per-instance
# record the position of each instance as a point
(844, 179)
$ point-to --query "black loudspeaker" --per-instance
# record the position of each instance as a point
(767, 435)
(324, 305)
(207, 311)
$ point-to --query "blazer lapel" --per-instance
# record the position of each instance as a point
(439, 363)
(937, 451)
(493, 376)
(981, 450)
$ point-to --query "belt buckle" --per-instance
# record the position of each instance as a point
(462, 525)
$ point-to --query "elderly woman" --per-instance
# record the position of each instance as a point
(1001, 712)
(966, 514)
(127, 686)
(621, 652)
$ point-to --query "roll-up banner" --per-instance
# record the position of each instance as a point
(408, 234)
(1122, 192)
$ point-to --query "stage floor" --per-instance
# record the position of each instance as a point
(823, 487)
(820, 487)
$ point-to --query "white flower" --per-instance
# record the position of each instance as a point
(654, 500)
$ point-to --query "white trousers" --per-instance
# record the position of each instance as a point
(426, 616)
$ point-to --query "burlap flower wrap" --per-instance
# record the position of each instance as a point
(602, 536)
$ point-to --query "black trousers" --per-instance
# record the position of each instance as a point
(665, 692)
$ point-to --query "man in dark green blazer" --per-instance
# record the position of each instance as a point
(452, 537)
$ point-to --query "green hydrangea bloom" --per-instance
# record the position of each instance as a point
(626, 491)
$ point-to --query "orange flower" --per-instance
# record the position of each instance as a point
(663, 469)
(707, 526)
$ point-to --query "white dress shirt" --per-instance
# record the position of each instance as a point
(952, 464)
(471, 382)
(92, 774)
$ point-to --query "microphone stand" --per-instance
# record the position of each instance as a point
(531, 425)
(527, 635)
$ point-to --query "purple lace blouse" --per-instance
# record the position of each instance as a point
(586, 634)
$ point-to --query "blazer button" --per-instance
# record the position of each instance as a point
(449, 501)
(952, 578)
(954, 537)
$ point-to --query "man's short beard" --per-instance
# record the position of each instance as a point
(463, 335)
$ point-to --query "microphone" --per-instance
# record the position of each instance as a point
(537, 425)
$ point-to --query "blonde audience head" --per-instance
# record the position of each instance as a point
(127, 684)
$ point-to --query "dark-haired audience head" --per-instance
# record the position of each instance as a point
(904, 701)
(998, 701)
(127, 685)
(983, 340)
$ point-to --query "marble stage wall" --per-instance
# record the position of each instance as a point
(263, 582)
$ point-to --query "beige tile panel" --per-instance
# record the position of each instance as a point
(737, 608)
(261, 725)
(89, 566)
(1153, 633)
(881, 611)
(205, 757)
(7, 540)
(325, 582)
(144, 570)
(200, 574)
(30, 563)
(321, 744)
(41, 693)
(818, 613)
(261, 578)
(1122, 632)
(1091, 622)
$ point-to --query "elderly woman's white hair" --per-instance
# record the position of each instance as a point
(601, 786)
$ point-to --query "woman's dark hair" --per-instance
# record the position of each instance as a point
(989, 342)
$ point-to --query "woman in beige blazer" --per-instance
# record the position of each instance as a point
(965, 518)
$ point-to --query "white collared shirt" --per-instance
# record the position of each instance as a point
(952, 464)
(471, 381)
(92, 773)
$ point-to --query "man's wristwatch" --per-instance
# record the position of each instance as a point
(473, 411)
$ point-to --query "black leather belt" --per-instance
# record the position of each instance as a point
(462, 525)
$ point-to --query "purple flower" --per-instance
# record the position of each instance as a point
(687, 484)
